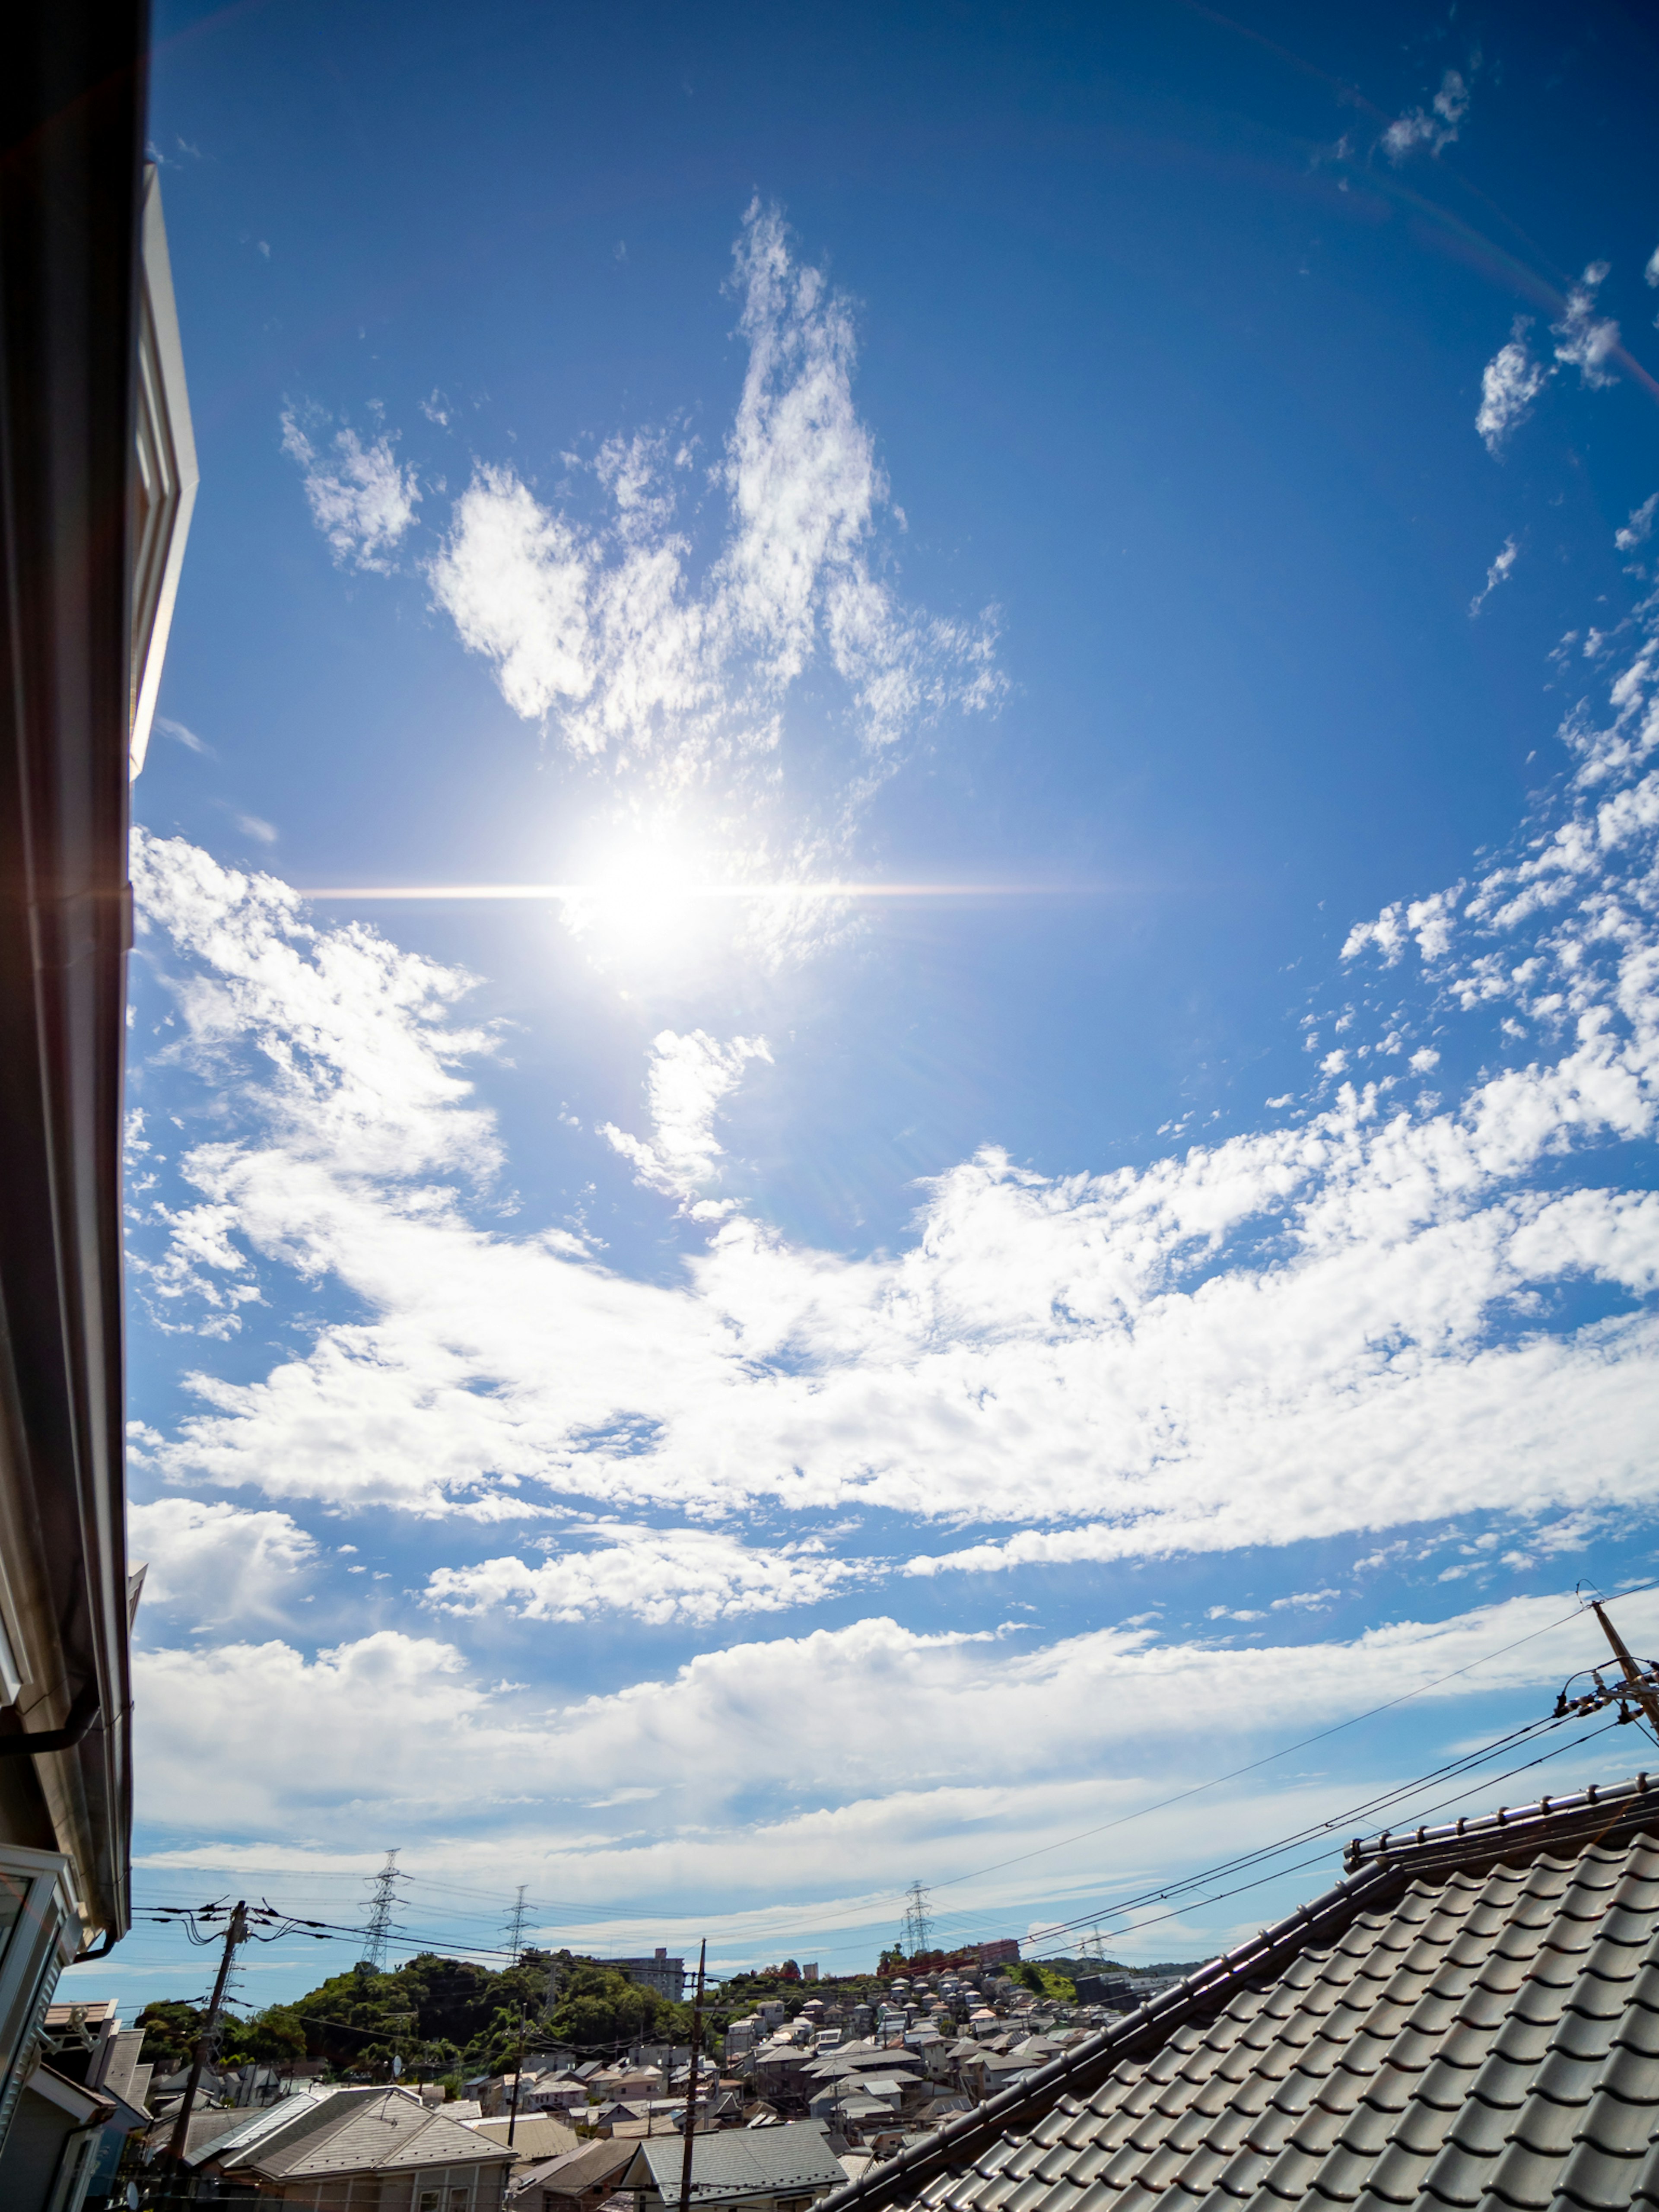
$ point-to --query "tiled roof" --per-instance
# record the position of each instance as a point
(1468, 2021)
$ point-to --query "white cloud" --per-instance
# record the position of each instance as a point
(181, 735)
(658, 1575)
(1435, 127)
(513, 579)
(1510, 383)
(216, 1561)
(1587, 339)
(361, 498)
(873, 1747)
(689, 1075)
(1638, 528)
(1496, 574)
(1293, 1333)
(612, 632)
(1652, 272)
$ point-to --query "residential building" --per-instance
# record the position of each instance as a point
(578, 2181)
(777, 2169)
(1005, 1952)
(1470, 2018)
(660, 1972)
(556, 2092)
(360, 2148)
(531, 2137)
(89, 564)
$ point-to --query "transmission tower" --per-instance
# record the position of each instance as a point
(379, 1915)
(515, 1920)
(917, 1932)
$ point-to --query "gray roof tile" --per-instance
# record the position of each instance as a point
(1524, 2177)
(1598, 2178)
(1479, 2038)
(1632, 2075)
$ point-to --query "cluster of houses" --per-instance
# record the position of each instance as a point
(800, 2102)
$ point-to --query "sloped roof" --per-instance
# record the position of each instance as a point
(535, 2135)
(586, 2167)
(363, 2131)
(1470, 2019)
(217, 2133)
(747, 2161)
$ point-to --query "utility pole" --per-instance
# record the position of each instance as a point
(518, 2067)
(1632, 1671)
(691, 2087)
(235, 1933)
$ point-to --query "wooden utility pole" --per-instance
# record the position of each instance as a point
(691, 2087)
(235, 1934)
(1643, 1696)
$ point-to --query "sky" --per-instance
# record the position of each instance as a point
(1025, 1256)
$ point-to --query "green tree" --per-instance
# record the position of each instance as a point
(600, 2010)
(171, 2029)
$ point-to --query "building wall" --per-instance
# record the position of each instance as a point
(451, 2188)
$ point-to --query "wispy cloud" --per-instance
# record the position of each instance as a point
(863, 1743)
(688, 1078)
(638, 657)
(1640, 527)
(658, 1575)
(361, 499)
(1496, 574)
(1429, 129)
(1587, 338)
(1291, 1334)
(182, 735)
(1510, 383)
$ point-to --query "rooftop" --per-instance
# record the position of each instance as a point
(744, 2162)
(1469, 2019)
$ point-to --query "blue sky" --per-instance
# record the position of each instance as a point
(715, 1406)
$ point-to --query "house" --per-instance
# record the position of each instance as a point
(776, 2169)
(780, 2074)
(1470, 2018)
(359, 2147)
(579, 2180)
(533, 2136)
(85, 2044)
(556, 2092)
(97, 475)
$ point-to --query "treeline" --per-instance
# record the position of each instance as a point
(446, 2018)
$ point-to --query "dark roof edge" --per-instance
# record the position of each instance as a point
(1579, 1818)
(1087, 2063)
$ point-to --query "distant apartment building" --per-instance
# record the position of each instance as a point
(660, 1972)
(1005, 1952)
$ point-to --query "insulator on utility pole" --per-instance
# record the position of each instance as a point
(235, 1933)
(1639, 1686)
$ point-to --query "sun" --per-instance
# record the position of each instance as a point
(643, 894)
